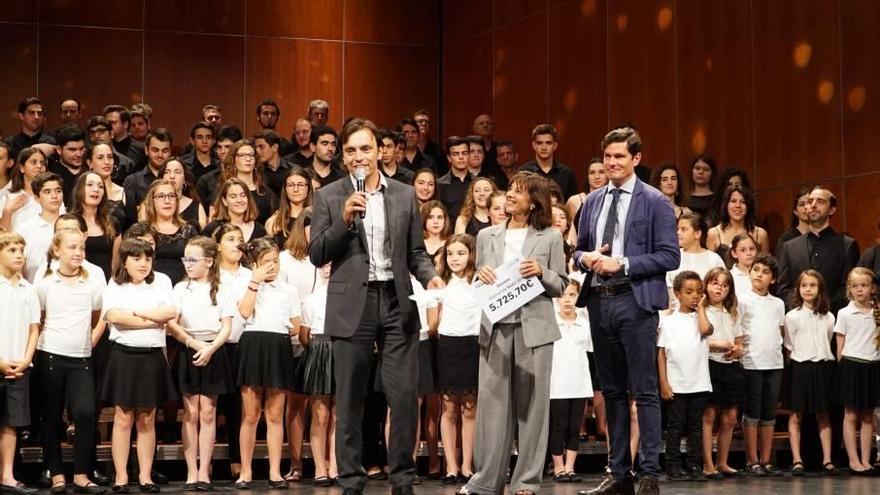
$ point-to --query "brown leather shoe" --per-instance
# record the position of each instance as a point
(611, 486)
(649, 486)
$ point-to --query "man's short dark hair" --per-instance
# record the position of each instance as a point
(69, 133)
(42, 178)
(96, 121)
(544, 129)
(626, 135)
(268, 102)
(395, 137)
(504, 143)
(398, 138)
(160, 134)
(271, 137)
(474, 140)
(23, 104)
(319, 131)
(355, 125)
(124, 114)
(229, 132)
(453, 141)
(407, 121)
(200, 125)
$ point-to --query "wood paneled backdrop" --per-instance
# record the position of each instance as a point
(788, 90)
(376, 58)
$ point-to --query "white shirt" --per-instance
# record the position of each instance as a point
(742, 284)
(314, 309)
(687, 353)
(275, 305)
(37, 235)
(570, 373)
(68, 304)
(859, 328)
(623, 201)
(301, 274)
(230, 281)
(132, 297)
(88, 266)
(20, 309)
(197, 313)
(762, 318)
(461, 312)
(808, 335)
(375, 230)
(697, 262)
(30, 209)
(724, 328)
(423, 305)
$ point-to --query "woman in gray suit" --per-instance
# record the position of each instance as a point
(516, 353)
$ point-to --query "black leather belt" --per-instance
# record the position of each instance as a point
(380, 284)
(613, 290)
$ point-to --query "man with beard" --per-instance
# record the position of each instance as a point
(70, 142)
(323, 145)
(136, 185)
(268, 113)
(120, 119)
(30, 113)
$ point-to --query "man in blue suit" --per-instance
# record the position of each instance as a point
(626, 243)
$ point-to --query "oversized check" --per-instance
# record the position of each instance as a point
(509, 292)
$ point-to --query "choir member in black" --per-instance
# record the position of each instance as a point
(207, 185)
(425, 185)
(302, 131)
(729, 177)
(98, 131)
(544, 143)
(136, 185)
(296, 196)
(70, 142)
(241, 163)
(703, 175)
(388, 143)
(800, 219)
(101, 159)
(474, 215)
(235, 205)
(161, 211)
(120, 119)
(667, 179)
(323, 145)
(90, 201)
(267, 144)
(453, 186)
(413, 158)
(32, 118)
(189, 204)
(201, 160)
(426, 145)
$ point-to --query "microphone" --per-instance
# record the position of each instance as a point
(360, 176)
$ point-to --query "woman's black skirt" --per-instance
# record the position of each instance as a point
(314, 373)
(215, 378)
(728, 384)
(137, 377)
(458, 365)
(811, 386)
(858, 384)
(265, 360)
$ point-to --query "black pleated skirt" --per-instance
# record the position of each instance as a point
(728, 384)
(427, 366)
(811, 387)
(215, 378)
(458, 365)
(857, 384)
(137, 377)
(265, 360)
(314, 372)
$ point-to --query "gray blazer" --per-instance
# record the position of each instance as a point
(538, 316)
(333, 241)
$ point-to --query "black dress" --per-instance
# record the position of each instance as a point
(259, 230)
(99, 251)
(280, 238)
(701, 204)
(265, 201)
(474, 226)
(169, 250)
(191, 213)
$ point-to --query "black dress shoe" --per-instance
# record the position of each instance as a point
(58, 489)
(101, 479)
(611, 486)
(204, 486)
(19, 489)
(119, 489)
(150, 488)
(402, 490)
(277, 484)
(158, 478)
(649, 486)
(90, 489)
(189, 487)
(242, 485)
(45, 480)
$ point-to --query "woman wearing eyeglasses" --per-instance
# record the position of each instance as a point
(161, 209)
(189, 203)
(241, 163)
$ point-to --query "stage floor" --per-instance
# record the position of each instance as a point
(767, 486)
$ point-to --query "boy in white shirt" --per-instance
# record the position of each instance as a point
(20, 314)
(763, 326)
(683, 370)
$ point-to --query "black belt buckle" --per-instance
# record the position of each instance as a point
(614, 290)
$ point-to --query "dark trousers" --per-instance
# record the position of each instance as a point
(624, 343)
(67, 380)
(685, 413)
(230, 406)
(565, 424)
(382, 326)
(762, 393)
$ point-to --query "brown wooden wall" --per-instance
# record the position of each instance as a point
(374, 58)
(787, 89)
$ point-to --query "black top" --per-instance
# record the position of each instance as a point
(125, 166)
(297, 158)
(334, 175)
(21, 141)
(136, 187)
(198, 168)
(871, 259)
(191, 213)
(259, 230)
(274, 179)
(559, 173)
(830, 253)
(132, 149)
(474, 226)
(701, 204)
(433, 150)
(495, 173)
(266, 203)
(451, 191)
(785, 237)
(207, 186)
(169, 250)
(99, 251)
(402, 174)
(68, 178)
(421, 160)
(280, 238)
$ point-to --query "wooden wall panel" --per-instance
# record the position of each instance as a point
(861, 208)
(467, 84)
(205, 69)
(507, 11)
(392, 21)
(398, 96)
(860, 91)
(641, 73)
(465, 18)
(578, 86)
(18, 11)
(521, 92)
(99, 13)
(20, 44)
(797, 93)
(196, 16)
(714, 78)
(293, 72)
(102, 67)
(295, 18)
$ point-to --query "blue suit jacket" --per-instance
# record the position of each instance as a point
(650, 243)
